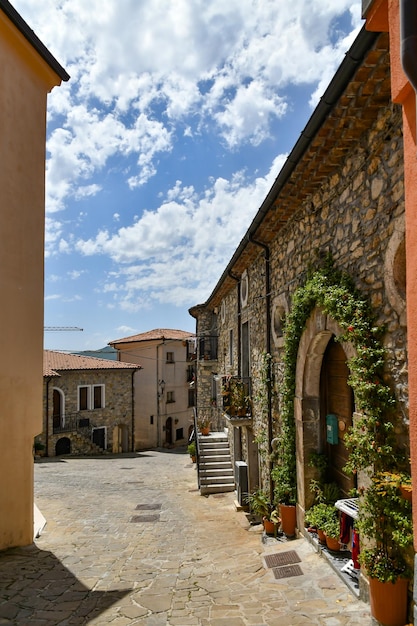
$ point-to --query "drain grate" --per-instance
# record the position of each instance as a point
(149, 507)
(282, 558)
(287, 571)
(144, 518)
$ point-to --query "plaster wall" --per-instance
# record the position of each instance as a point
(25, 80)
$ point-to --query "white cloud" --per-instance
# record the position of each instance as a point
(176, 253)
(139, 68)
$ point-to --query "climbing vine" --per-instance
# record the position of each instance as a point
(370, 439)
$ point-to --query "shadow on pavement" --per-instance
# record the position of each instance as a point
(35, 587)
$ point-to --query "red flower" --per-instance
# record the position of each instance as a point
(350, 328)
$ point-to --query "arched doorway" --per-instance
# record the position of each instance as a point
(336, 410)
(311, 405)
(63, 446)
(57, 409)
(168, 431)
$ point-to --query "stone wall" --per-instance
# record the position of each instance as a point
(117, 412)
(357, 216)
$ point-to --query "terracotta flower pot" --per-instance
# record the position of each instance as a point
(269, 526)
(287, 513)
(321, 536)
(332, 543)
(389, 601)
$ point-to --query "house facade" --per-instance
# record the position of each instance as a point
(88, 405)
(165, 394)
(329, 236)
(28, 73)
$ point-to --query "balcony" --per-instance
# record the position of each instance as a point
(236, 395)
(207, 348)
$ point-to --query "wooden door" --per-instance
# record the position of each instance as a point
(336, 397)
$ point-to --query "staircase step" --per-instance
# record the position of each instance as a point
(217, 480)
(215, 460)
(217, 471)
(220, 488)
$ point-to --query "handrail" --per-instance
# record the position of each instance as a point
(197, 445)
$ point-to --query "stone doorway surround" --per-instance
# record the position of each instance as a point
(319, 329)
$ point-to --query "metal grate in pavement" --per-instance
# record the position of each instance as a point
(144, 518)
(287, 571)
(149, 507)
(282, 558)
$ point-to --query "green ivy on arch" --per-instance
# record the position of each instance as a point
(370, 440)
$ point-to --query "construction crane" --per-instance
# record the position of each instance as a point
(49, 328)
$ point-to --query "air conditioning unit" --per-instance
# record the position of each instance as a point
(241, 482)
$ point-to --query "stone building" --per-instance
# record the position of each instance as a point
(165, 394)
(88, 405)
(339, 196)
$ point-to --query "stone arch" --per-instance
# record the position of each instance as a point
(58, 407)
(63, 446)
(320, 328)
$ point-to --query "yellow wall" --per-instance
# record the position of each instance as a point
(25, 80)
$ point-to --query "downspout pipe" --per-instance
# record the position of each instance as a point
(408, 38)
(267, 256)
(133, 410)
(239, 311)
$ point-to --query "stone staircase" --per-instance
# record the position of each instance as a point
(215, 468)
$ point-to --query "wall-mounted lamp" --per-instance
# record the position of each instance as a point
(161, 384)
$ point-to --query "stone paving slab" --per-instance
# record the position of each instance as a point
(199, 563)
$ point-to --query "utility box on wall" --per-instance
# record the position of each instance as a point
(332, 429)
(241, 481)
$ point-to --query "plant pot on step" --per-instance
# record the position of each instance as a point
(389, 601)
(269, 526)
(321, 536)
(287, 513)
(332, 543)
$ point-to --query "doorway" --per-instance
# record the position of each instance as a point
(336, 399)
(168, 431)
(57, 410)
(63, 446)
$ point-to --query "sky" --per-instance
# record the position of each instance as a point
(177, 118)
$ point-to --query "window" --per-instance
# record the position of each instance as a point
(90, 397)
(170, 357)
(190, 373)
(191, 397)
(170, 396)
(179, 434)
(83, 398)
(98, 396)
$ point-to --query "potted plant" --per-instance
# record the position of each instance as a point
(260, 506)
(285, 492)
(38, 448)
(331, 530)
(204, 425)
(192, 451)
(319, 516)
(385, 519)
(239, 399)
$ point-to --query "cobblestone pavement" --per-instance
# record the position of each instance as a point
(129, 540)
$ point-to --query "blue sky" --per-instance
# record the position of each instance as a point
(176, 121)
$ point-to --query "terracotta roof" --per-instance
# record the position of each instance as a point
(156, 334)
(54, 362)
